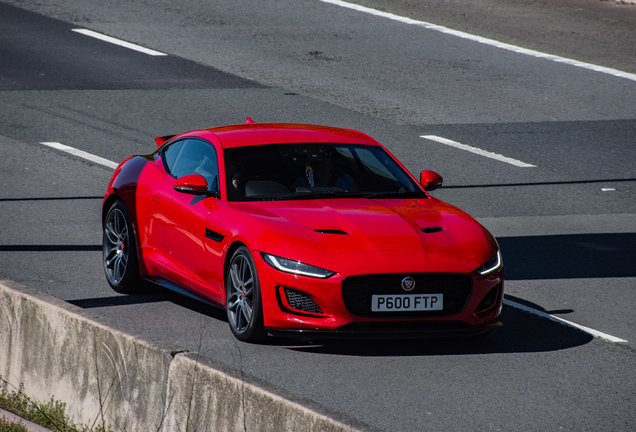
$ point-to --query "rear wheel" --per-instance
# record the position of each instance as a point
(243, 297)
(119, 251)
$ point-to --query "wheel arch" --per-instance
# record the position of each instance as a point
(228, 256)
(108, 203)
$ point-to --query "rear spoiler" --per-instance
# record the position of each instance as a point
(163, 139)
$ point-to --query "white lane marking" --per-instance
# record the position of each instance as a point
(483, 40)
(119, 42)
(478, 151)
(595, 333)
(82, 154)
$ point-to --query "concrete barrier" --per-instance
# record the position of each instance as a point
(134, 384)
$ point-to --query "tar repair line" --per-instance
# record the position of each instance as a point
(604, 336)
(119, 42)
(483, 40)
(478, 151)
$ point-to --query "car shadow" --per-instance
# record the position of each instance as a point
(152, 293)
(521, 332)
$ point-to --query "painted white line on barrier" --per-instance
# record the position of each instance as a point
(82, 154)
(119, 42)
(595, 333)
(483, 40)
(478, 151)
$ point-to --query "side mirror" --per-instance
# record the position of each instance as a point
(194, 184)
(430, 180)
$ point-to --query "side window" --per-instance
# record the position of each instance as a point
(193, 156)
(171, 152)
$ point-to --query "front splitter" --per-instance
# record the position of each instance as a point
(389, 331)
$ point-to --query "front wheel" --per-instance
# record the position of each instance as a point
(119, 251)
(243, 297)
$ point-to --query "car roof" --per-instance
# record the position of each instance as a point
(282, 133)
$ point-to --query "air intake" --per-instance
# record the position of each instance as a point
(489, 300)
(301, 302)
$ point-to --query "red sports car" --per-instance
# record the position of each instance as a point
(300, 230)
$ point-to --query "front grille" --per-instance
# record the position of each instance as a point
(301, 302)
(357, 292)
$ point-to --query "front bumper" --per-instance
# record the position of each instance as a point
(471, 317)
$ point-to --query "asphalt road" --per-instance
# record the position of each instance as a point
(567, 226)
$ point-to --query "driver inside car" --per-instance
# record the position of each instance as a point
(325, 173)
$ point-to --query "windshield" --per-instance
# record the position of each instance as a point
(312, 170)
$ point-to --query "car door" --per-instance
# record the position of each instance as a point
(178, 219)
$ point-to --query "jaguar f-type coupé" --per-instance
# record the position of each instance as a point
(300, 231)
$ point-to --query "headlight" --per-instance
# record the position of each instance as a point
(296, 267)
(491, 265)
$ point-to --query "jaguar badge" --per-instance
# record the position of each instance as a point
(408, 283)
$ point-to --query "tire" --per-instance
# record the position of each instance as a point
(243, 297)
(119, 251)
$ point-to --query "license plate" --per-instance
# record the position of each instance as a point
(407, 302)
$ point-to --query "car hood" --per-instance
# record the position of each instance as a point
(336, 226)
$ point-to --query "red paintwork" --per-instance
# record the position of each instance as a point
(192, 182)
(385, 235)
(430, 180)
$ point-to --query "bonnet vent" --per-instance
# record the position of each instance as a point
(331, 231)
(432, 229)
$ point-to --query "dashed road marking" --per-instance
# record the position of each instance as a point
(82, 154)
(478, 151)
(595, 333)
(119, 42)
(483, 40)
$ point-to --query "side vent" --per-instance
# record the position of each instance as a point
(432, 230)
(331, 231)
(213, 235)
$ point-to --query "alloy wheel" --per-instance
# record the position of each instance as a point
(240, 296)
(116, 246)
